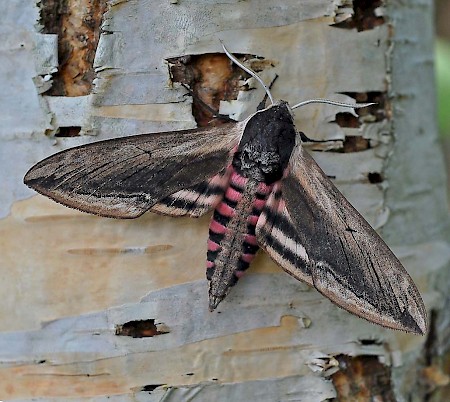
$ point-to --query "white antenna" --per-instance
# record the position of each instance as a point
(246, 69)
(330, 102)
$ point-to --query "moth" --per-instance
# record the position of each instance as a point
(266, 191)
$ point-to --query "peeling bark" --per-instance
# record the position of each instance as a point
(77, 24)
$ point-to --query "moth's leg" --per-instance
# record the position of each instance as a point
(262, 104)
(304, 138)
(215, 113)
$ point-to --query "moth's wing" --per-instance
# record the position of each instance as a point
(124, 177)
(340, 253)
(197, 200)
(278, 235)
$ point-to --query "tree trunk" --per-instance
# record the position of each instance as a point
(99, 309)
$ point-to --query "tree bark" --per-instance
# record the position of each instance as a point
(97, 309)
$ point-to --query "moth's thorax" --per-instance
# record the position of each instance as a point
(266, 144)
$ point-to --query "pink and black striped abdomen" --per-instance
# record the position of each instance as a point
(232, 242)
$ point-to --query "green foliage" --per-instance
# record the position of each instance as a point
(443, 85)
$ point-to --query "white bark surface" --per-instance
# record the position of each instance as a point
(68, 279)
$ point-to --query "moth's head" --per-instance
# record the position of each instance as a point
(281, 110)
(283, 106)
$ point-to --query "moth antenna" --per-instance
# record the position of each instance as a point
(248, 70)
(330, 102)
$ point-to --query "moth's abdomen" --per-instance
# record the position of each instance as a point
(232, 242)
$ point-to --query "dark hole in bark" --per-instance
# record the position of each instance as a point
(433, 382)
(368, 342)
(431, 343)
(354, 143)
(68, 132)
(77, 24)
(375, 177)
(364, 16)
(151, 387)
(370, 114)
(362, 378)
(139, 329)
(346, 119)
(378, 111)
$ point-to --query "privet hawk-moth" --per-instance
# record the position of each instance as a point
(265, 190)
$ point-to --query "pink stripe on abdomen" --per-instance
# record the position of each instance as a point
(240, 208)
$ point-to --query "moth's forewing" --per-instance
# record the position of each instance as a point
(338, 251)
(125, 177)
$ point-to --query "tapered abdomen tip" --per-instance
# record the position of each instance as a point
(214, 301)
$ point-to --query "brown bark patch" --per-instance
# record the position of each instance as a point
(210, 78)
(362, 379)
(77, 24)
(371, 114)
(354, 143)
(364, 16)
(141, 329)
